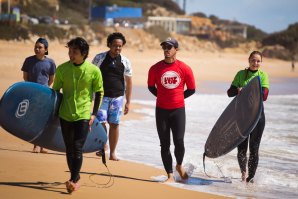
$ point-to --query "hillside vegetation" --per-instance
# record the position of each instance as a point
(281, 45)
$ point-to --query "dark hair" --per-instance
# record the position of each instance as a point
(80, 44)
(252, 54)
(44, 42)
(115, 35)
(255, 53)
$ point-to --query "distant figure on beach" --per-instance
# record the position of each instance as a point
(39, 69)
(166, 80)
(241, 79)
(80, 81)
(117, 81)
(293, 65)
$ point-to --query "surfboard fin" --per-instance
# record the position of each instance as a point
(103, 157)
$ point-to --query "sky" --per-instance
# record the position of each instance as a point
(267, 15)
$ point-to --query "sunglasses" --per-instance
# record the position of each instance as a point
(167, 47)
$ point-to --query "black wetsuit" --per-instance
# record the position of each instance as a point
(254, 140)
(74, 135)
(167, 120)
(167, 81)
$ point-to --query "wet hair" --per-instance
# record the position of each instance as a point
(81, 44)
(255, 53)
(115, 35)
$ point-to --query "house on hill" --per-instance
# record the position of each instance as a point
(237, 30)
(171, 24)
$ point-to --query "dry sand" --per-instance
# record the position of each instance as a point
(27, 175)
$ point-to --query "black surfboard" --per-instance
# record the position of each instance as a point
(237, 121)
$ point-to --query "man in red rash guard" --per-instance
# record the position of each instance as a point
(167, 80)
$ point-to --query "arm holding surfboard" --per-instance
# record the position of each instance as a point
(243, 119)
(79, 80)
(39, 69)
(242, 79)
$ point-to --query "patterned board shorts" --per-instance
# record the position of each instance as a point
(110, 110)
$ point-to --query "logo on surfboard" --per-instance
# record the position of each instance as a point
(22, 108)
(170, 80)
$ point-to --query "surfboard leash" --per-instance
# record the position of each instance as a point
(204, 154)
(110, 182)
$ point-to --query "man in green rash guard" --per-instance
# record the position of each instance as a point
(79, 80)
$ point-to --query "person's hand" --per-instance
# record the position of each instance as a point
(239, 90)
(126, 108)
(91, 121)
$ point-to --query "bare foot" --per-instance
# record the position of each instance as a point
(170, 178)
(43, 151)
(71, 186)
(243, 176)
(113, 157)
(35, 150)
(181, 172)
(249, 180)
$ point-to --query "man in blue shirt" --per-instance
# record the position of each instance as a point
(39, 69)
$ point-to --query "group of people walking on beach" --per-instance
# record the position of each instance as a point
(108, 81)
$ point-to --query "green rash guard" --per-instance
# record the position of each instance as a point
(78, 84)
(244, 76)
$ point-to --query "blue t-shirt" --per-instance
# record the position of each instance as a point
(39, 71)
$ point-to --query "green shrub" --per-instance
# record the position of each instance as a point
(15, 31)
(99, 30)
(51, 31)
(276, 52)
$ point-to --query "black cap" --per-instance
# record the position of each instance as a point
(45, 43)
(170, 41)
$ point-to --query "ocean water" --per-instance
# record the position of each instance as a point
(277, 173)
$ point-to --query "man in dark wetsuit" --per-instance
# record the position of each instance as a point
(79, 81)
(166, 81)
(241, 79)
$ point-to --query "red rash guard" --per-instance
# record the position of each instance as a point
(169, 80)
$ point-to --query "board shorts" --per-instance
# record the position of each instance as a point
(110, 110)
